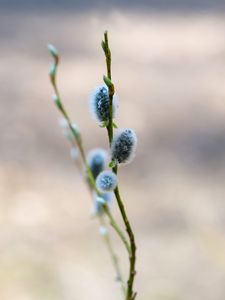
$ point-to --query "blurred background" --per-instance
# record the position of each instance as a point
(169, 72)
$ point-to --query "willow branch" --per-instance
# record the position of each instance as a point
(130, 295)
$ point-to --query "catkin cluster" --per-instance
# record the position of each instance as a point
(97, 161)
(124, 143)
(122, 150)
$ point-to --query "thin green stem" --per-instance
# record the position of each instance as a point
(107, 54)
(117, 228)
(130, 295)
(114, 258)
(111, 87)
(132, 272)
(76, 137)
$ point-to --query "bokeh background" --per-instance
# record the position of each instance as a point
(169, 72)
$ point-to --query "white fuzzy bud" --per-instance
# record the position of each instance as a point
(124, 146)
(99, 104)
(106, 181)
(103, 230)
(97, 160)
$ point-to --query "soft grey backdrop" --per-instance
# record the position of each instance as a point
(168, 68)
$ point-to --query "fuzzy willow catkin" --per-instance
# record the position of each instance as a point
(124, 146)
(97, 161)
(99, 104)
(106, 181)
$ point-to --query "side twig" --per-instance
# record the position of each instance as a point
(113, 255)
(104, 231)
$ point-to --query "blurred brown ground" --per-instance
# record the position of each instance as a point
(169, 71)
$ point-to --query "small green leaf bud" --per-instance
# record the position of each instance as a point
(53, 51)
(57, 101)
